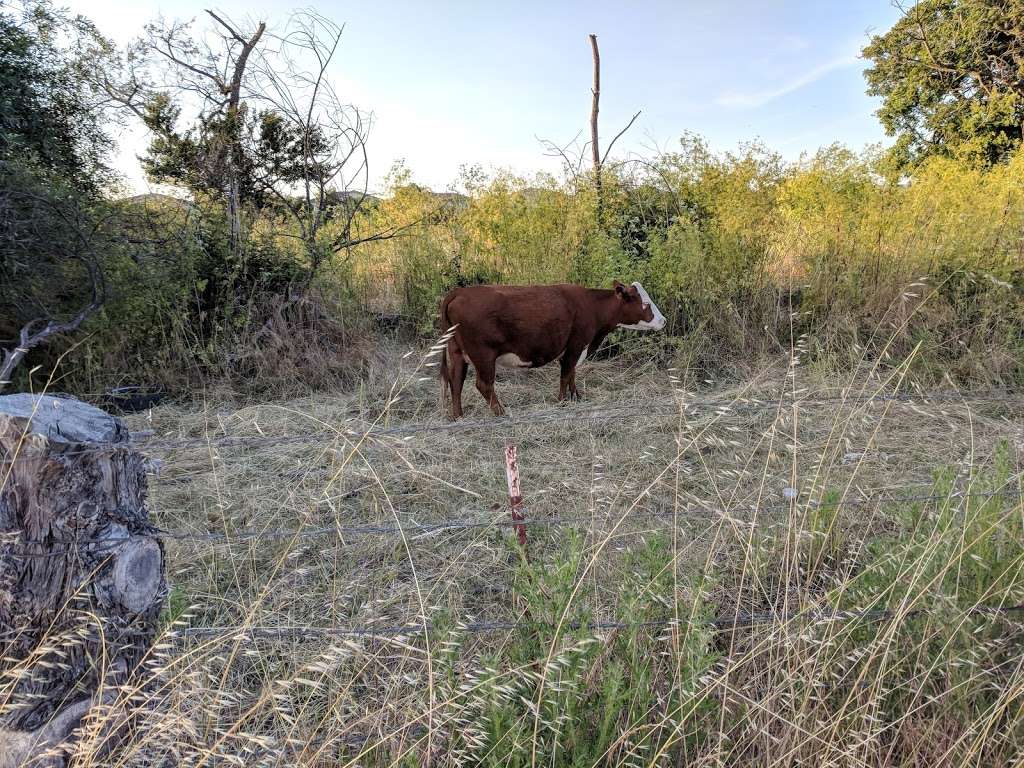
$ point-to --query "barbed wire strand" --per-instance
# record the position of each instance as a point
(501, 426)
(412, 528)
(736, 621)
(651, 408)
(741, 620)
(562, 520)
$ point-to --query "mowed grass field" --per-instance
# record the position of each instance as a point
(689, 544)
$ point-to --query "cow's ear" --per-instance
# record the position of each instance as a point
(620, 289)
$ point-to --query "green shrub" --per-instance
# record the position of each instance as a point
(560, 694)
(939, 659)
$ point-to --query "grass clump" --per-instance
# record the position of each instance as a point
(564, 691)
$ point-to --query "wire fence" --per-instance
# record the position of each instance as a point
(681, 407)
(648, 409)
(677, 406)
(733, 622)
(692, 512)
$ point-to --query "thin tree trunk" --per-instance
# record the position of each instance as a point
(595, 148)
(234, 212)
(234, 94)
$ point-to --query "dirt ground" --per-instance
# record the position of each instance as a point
(640, 452)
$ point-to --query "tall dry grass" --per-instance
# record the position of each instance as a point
(597, 649)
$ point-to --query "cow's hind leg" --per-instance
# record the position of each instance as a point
(485, 370)
(457, 373)
(454, 376)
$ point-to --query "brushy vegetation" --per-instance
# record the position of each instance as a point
(272, 287)
(744, 254)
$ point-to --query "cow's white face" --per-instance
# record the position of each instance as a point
(657, 321)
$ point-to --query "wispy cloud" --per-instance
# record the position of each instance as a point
(755, 99)
(793, 43)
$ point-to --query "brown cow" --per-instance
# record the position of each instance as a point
(527, 326)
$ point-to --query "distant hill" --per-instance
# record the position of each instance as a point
(351, 196)
(157, 199)
(334, 198)
(455, 198)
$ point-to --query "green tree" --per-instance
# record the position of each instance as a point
(50, 117)
(951, 76)
(53, 148)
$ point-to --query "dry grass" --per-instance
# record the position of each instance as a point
(665, 513)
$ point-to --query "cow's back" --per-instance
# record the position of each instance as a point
(531, 321)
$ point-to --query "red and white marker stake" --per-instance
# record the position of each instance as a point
(515, 495)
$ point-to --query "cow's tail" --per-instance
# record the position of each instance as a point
(445, 330)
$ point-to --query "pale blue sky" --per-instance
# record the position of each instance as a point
(463, 82)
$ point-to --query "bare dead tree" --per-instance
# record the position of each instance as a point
(572, 154)
(310, 145)
(233, 87)
(595, 148)
(595, 106)
(302, 145)
(41, 238)
(171, 60)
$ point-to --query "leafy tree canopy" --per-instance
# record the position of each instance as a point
(50, 115)
(53, 151)
(951, 76)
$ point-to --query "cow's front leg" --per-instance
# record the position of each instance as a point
(567, 382)
(567, 386)
(485, 384)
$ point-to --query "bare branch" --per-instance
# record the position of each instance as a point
(660, 173)
(326, 155)
(164, 43)
(231, 30)
(554, 150)
(39, 330)
(29, 340)
(391, 232)
(618, 136)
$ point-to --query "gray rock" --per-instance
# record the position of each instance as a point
(65, 419)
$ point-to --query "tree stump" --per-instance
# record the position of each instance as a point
(82, 578)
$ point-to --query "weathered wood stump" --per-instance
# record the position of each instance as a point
(82, 578)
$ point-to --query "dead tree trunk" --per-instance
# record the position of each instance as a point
(233, 90)
(595, 148)
(82, 578)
